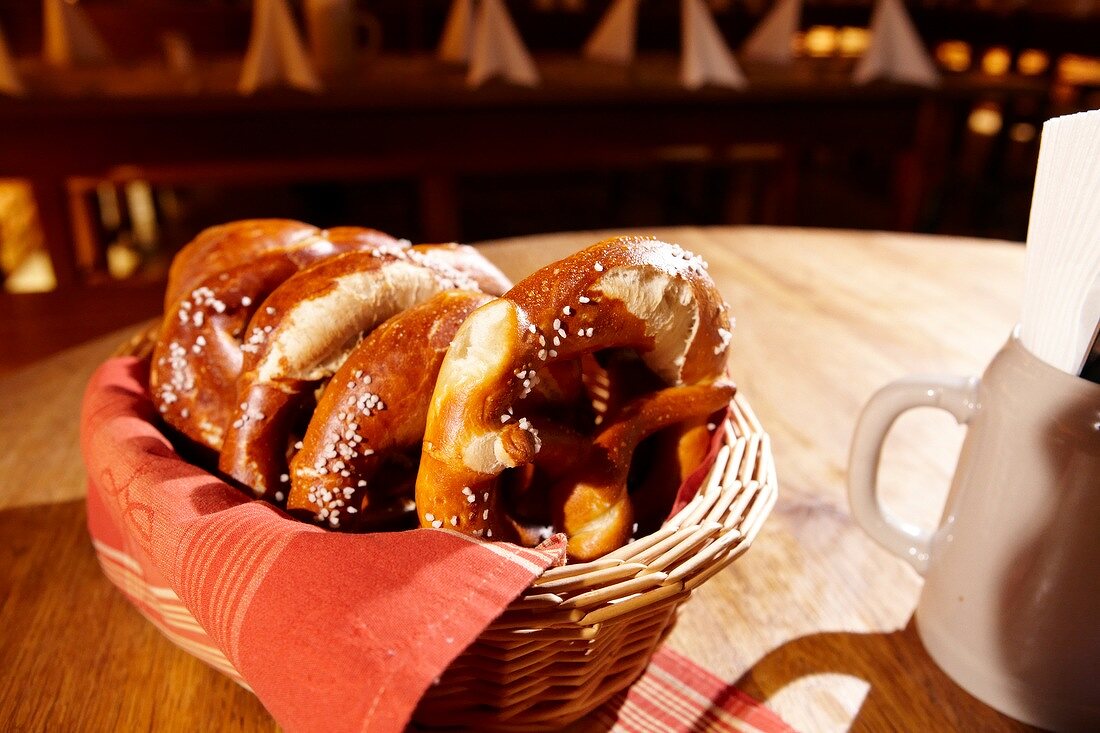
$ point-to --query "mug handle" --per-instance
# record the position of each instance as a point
(957, 395)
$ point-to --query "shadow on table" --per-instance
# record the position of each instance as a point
(905, 684)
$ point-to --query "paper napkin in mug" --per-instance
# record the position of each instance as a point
(1061, 303)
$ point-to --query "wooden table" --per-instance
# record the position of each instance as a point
(815, 620)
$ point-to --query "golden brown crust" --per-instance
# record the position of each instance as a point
(621, 293)
(269, 316)
(372, 411)
(468, 261)
(224, 247)
(592, 504)
(227, 246)
(302, 335)
(198, 355)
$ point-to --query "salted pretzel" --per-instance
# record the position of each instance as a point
(656, 467)
(667, 458)
(592, 505)
(566, 423)
(371, 414)
(467, 261)
(198, 355)
(221, 248)
(627, 292)
(559, 409)
(304, 332)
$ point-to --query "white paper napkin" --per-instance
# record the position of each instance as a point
(10, 82)
(896, 51)
(276, 55)
(498, 50)
(771, 40)
(68, 37)
(457, 42)
(1061, 303)
(615, 38)
(704, 56)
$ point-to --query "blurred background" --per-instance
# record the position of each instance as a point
(128, 126)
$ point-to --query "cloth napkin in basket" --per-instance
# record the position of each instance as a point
(332, 631)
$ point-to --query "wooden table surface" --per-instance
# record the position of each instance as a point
(815, 620)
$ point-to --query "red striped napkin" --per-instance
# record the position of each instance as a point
(675, 694)
(332, 631)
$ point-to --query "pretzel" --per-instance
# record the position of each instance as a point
(526, 490)
(198, 354)
(667, 458)
(559, 409)
(224, 247)
(566, 437)
(372, 413)
(626, 292)
(304, 332)
(468, 261)
(592, 505)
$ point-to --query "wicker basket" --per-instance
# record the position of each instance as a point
(581, 633)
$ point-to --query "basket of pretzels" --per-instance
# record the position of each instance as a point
(345, 382)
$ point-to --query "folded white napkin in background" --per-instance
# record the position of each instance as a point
(896, 51)
(10, 82)
(1061, 303)
(68, 37)
(457, 42)
(615, 38)
(705, 59)
(276, 55)
(498, 50)
(771, 40)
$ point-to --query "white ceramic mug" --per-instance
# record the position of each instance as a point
(1011, 602)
